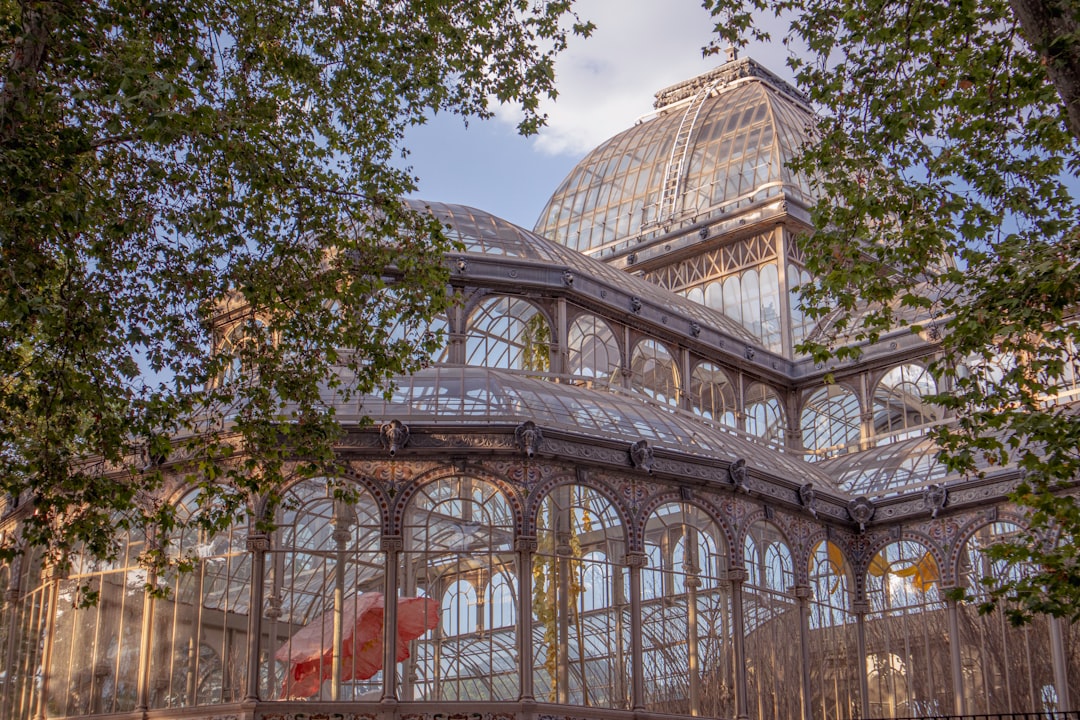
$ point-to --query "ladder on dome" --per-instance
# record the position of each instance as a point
(669, 197)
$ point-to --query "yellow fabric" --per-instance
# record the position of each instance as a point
(922, 574)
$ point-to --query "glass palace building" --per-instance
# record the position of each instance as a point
(619, 492)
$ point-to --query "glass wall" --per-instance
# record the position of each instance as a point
(323, 572)
(581, 601)
(771, 616)
(686, 622)
(1006, 668)
(459, 552)
(712, 394)
(510, 333)
(592, 350)
(830, 422)
(907, 640)
(653, 371)
(834, 652)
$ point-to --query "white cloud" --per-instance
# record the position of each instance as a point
(608, 80)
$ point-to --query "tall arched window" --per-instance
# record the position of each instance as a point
(508, 332)
(830, 422)
(198, 657)
(581, 604)
(458, 534)
(501, 602)
(96, 649)
(834, 657)
(686, 626)
(325, 566)
(654, 372)
(1006, 667)
(771, 617)
(591, 348)
(907, 674)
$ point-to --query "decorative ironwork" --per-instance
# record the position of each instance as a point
(935, 496)
(394, 436)
(641, 456)
(861, 511)
(528, 437)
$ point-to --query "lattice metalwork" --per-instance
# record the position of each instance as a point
(899, 407)
(765, 414)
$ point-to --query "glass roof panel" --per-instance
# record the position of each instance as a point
(469, 396)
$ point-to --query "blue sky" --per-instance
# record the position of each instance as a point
(605, 83)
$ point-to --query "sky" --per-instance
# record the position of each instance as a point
(605, 83)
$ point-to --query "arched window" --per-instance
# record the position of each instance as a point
(1006, 667)
(239, 351)
(459, 609)
(196, 658)
(508, 332)
(907, 673)
(834, 676)
(771, 618)
(324, 562)
(580, 601)
(654, 371)
(800, 323)
(96, 648)
(591, 348)
(501, 602)
(899, 403)
(764, 414)
(830, 422)
(686, 626)
(458, 533)
(713, 394)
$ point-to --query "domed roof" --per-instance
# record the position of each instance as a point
(718, 142)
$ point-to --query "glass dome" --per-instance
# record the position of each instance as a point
(717, 143)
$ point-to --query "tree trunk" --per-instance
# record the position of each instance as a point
(1052, 27)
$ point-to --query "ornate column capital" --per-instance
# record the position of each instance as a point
(525, 543)
(636, 560)
(257, 542)
(391, 543)
(736, 575)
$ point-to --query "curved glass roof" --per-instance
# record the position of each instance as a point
(471, 396)
(485, 234)
(723, 145)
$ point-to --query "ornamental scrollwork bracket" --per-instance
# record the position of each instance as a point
(861, 511)
(394, 435)
(641, 456)
(935, 496)
(529, 438)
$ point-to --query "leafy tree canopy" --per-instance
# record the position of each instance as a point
(164, 164)
(947, 161)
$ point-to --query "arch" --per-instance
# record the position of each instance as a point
(580, 593)
(510, 491)
(508, 332)
(457, 534)
(906, 674)
(712, 394)
(592, 348)
(686, 621)
(830, 422)
(653, 371)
